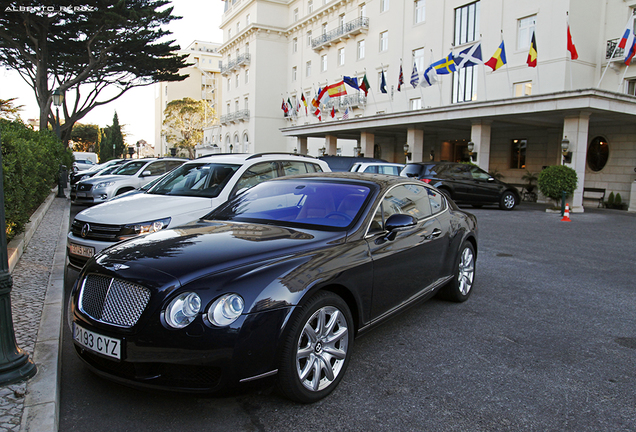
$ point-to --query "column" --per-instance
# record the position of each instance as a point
(366, 143)
(301, 145)
(480, 136)
(415, 140)
(331, 144)
(575, 129)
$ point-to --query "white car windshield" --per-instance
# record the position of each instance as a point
(131, 168)
(196, 179)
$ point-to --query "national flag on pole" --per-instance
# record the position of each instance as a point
(498, 59)
(400, 79)
(337, 89)
(573, 54)
(445, 65)
(415, 76)
(364, 86)
(318, 114)
(383, 83)
(333, 112)
(315, 101)
(323, 96)
(471, 56)
(345, 116)
(302, 98)
(532, 54)
(351, 82)
(627, 42)
(284, 107)
(430, 77)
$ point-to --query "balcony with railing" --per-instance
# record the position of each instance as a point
(240, 61)
(612, 45)
(345, 31)
(236, 116)
(355, 100)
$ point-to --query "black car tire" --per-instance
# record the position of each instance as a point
(460, 287)
(478, 205)
(508, 201)
(301, 356)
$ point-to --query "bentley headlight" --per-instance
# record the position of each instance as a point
(225, 310)
(104, 184)
(183, 310)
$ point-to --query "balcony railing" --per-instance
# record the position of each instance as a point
(611, 46)
(351, 100)
(236, 116)
(345, 31)
(232, 65)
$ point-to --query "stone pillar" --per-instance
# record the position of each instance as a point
(331, 144)
(632, 198)
(480, 136)
(415, 140)
(366, 143)
(301, 145)
(575, 129)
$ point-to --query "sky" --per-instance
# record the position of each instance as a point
(136, 108)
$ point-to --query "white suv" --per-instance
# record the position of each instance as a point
(129, 176)
(184, 195)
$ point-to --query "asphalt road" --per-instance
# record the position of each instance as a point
(547, 342)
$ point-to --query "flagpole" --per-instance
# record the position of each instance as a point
(483, 66)
(620, 83)
(631, 18)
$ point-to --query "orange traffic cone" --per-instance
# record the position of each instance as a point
(566, 214)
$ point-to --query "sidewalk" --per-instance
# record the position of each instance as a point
(37, 262)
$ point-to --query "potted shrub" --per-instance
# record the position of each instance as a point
(555, 179)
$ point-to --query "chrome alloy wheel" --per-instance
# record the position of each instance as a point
(509, 201)
(322, 348)
(466, 270)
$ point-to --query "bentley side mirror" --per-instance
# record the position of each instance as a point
(399, 222)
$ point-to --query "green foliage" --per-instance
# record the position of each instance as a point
(555, 179)
(85, 137)
(494, 173)
(615, 202)
(184, 122)
(7, 110)
(618, 199)
(30, 162)
(108, 136)
(610, 199)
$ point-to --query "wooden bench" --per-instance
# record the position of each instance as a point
(594, 194)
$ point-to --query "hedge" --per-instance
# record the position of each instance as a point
(30, 163)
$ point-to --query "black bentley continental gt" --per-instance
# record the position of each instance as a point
(273, 285)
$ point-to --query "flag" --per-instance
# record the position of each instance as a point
(284, 107)
(415, 77)
(628, 34)
(318, 114)
(383, 83)
(400, 79)
(291, 107)
(430, 77)
(445, 65)
(498, 59)
(333, 112)
(323, 96)
(302, 98)
(532, 54)
(573, 54)
(337, 89)
(471, 56)
(345, 116)
(297, 105)
(315, 101)
(364, 86)
(351, 82)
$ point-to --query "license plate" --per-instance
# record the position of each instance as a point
(82, 194)
(96, 342)
(85, 251)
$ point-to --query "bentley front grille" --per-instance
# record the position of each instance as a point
(113, 301)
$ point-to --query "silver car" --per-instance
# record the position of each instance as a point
(128, 177)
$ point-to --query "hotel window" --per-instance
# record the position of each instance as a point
(237, 80)
(309, 38)
(229, 83)
(465, 84)
(246, 104)
(229, 34)
(518, 153)
(228, 108)
(324, 29)
(362, 10)
(419, 11)
(238, 27)
(308, 68)
(361, 49)
(467, 24)
(295, 45)
(416, 104)
(247, 47)
(384, 41)
(294, 73)
(310, 6)
(384, 5)
(418, 59)
(323, 63)
(236, 106)
(525, 29)
(341, 21)
(295, 14)
(341, 56)
(523, 89)
(247, 76)
(247, 19)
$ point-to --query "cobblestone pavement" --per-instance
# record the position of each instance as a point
(30, 281)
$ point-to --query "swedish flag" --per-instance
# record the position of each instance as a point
(445, 65)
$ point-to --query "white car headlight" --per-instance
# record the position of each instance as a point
(104, 184)
(147, 227)
(183, 310)
(225, 310)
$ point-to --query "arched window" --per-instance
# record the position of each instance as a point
(227, 143)
(246, 143)
(237, 144)
(598, 153)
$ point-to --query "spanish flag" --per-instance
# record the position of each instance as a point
(532, 55)
(337, 89)
(498, 59)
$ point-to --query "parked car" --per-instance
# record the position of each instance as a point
(378, 167)
(184, 195)
(276, 283)
(129, 176)
(96, 170)
(464, 183)
(83, 164)
(344, 163)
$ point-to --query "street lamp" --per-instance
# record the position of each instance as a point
(471, 147)
(231, 148)
(58, 98)
(15, 364)
(565, 145)
(358, 150)
(407, 155)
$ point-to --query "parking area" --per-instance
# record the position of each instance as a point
(547, 341)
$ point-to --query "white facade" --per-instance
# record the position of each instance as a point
(203, 83)
(296, 47)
